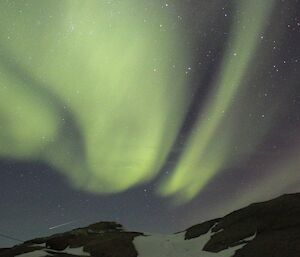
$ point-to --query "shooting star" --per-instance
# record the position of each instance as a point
(64, 224)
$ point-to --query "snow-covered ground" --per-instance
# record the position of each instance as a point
(176, 246)
(158, 246)
(41, 253)
(38, 253)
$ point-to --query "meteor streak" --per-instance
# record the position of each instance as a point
(64, 224)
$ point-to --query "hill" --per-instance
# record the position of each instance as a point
(266, 229)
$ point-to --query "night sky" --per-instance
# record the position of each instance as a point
(155, 114)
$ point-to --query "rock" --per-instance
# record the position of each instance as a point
(275, 222)
(267, 229)
(200, 229)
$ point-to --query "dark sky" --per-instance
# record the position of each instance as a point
(251, 150)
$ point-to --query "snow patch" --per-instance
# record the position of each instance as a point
(39, 245)
(76, 251)
(176, 246)
(41, 253)
(38, 253)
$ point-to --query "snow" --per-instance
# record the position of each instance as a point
(41, 253)
(76, 251)
(38, 253)
(39, 245)
(176, 246)
(158, 245)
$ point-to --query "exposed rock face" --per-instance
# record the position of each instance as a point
(105, 239)
(267, 229)
(275, 224)
(199, 229)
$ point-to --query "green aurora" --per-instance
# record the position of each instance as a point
(98, 91)
(207, 150)
(94, 89)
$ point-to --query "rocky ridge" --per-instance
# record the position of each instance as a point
(270, 228)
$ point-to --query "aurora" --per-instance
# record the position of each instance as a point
(206, 153)
(95, 89)
(100, 91)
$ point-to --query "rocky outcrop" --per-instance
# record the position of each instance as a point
(267, 229)
(100, 239)
(199, 229)
(273, 226)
